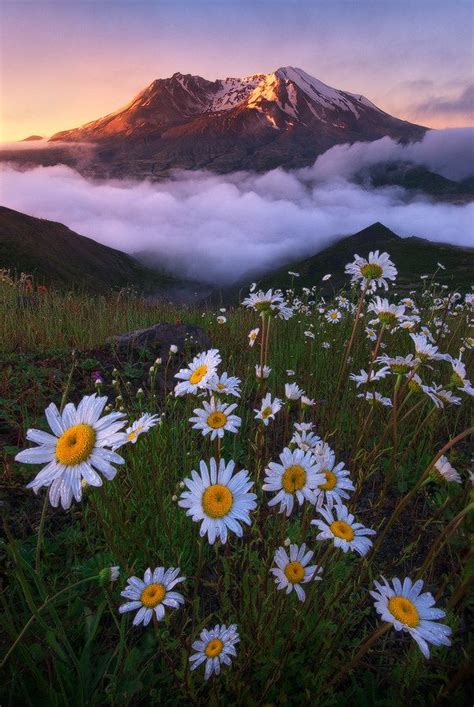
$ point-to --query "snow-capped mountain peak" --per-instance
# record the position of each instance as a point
(192, 121)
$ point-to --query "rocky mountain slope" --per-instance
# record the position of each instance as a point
(257, 122)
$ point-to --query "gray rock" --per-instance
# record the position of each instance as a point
(159, 337)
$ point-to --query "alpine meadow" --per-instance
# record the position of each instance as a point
(287, 532)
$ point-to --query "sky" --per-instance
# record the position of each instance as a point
(65, 62)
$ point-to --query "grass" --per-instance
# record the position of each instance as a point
(78, 650)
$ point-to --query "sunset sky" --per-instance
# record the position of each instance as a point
(66, 62)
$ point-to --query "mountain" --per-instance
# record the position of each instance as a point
(57, 256)
(412, 256)
(285, 118)
(416, 178)
(32, 138)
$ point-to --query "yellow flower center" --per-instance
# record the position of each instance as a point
(334, 315)
(456, 380)
(220, 386)
(75, 445)
(214, 648)
(294, 572)
(134, 434)
(294, 478)
(400, 368)
(198, 374)
(217, 501)
(388, 318)
(216, 420)
(267, 412)
(342, 530)
(331, 480)
(371, 271)
(152, 595)
(404, 610)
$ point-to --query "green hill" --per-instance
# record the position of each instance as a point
(412, 256)
(57, 256)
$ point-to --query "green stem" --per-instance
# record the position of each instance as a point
(407, 498)
(39, 610)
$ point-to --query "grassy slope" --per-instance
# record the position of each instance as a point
(56, 255)
(412, 256)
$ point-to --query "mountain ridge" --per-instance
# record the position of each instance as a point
(258, 122)
(60, 257)
(413, 256)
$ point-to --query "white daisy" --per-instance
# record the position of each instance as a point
(215, 418)
(262, 371)
(407, 609)
(296, 477)
(306, 440)
(215, 648)
(372, 272)
(376, 398)
(333, 316)
(264, 302)
(79, 447)
(293, 391)
(252, 336)
(398, 364)
(198, 374)
(292, 571)
(440, 396)
(459, 378)
(304, 426)
(426, 351)
(344, 532)
(221, 319)
(219, 499)
(445, 472)
(143, 424)
(387, 314)
(362, 378)
(325, 278)
(152, 594)
(337, 482)
(283, 311)
(225, 385)
(268, 409)
(307, 402)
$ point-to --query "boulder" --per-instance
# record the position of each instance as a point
(160, 337)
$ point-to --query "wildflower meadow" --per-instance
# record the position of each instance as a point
(283, 518)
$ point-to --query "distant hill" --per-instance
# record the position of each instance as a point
(412, 256)
(56, 255)
(417, 178)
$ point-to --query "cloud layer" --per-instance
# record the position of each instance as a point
(218, 229)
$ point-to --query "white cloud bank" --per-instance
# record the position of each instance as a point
(218, 228)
